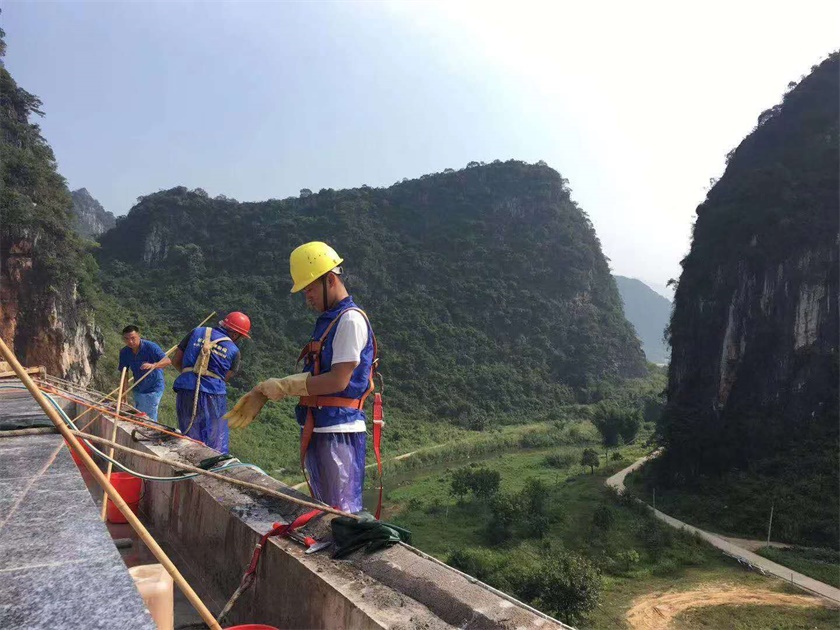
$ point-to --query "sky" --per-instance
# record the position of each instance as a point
(636, 104)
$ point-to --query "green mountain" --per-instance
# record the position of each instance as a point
(47, 277)
(752, 391)
(649, 313)
(487, 286)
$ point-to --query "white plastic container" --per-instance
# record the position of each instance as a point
(155, 586)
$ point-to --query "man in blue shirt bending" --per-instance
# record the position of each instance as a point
(142, 355)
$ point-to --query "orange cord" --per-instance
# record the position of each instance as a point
(51, 389)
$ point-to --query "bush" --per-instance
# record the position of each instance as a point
(627, 559)
(560, 460)
(482, 482)
(505, 512)
(565, 585)
(655, 538)
(604, 517)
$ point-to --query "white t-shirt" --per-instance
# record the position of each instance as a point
(351, 337)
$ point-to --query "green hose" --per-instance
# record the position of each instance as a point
(124, 468)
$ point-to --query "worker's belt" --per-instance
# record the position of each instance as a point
(331, 401)
(207, 373)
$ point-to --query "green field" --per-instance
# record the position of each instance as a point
(634, 554)
(820, 564)
(758, 618)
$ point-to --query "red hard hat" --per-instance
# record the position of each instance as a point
(237, 322)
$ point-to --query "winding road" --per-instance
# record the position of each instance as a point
(741, 554)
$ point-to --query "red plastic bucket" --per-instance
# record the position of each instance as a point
(75, 457)
(130, 488)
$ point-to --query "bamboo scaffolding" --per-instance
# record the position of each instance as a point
(113, 439)
(135, 523)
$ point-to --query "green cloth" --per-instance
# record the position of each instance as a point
(350, 534)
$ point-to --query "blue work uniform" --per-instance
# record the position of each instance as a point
(336, 460)
(208, 426)
(148, 393)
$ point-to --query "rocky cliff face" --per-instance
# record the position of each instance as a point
(46, 275)
(754, 334)
(90, 219)
(48, 325)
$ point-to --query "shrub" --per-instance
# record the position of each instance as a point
(604, 517)
(565, 585)
(560, 460)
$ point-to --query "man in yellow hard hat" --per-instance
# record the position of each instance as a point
(337, 377)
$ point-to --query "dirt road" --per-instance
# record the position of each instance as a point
(654, 611)
(739, 553)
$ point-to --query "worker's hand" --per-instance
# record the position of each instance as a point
(147, 366)
(279, 388)
(246, 409)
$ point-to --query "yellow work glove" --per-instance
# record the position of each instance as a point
(247, 408)
(279, 388)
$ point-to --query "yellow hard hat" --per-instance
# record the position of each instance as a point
(310, 261)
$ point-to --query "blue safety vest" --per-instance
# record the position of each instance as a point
(221, 360)
(360, 380)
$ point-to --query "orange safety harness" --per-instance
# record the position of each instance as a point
(312, 352)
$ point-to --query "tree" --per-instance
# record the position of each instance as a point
(482, 482)
(460, 483)
(505, 512)
(566, 586)
(485, 483)
(305, 192)
(616, 424)
(590, 458)
(534, 506)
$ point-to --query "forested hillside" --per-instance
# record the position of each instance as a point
(752, 415)
(47, 277)
(487, 286)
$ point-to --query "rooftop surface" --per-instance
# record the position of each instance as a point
(59, 567)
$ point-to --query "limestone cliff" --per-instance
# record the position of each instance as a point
(90, 219)
(47, 284)
(754, 334)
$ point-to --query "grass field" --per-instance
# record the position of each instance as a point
(820, 564)
(664, 559)
(758, 618)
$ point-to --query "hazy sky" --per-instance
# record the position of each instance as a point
(635, 103)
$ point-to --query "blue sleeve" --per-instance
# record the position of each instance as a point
(123, 361)
(157, 353)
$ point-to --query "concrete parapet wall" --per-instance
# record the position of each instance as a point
(215, 526)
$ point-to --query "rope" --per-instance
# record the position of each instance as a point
(107, 411)
(207, 473)
(30, 431)
(231, 463)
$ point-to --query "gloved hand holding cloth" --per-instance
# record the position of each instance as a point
(247, 407)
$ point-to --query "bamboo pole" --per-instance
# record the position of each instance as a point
(139, 380)
(208, 473)
(113, 439)
(135, 523)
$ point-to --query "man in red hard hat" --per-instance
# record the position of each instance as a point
(207, 358)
